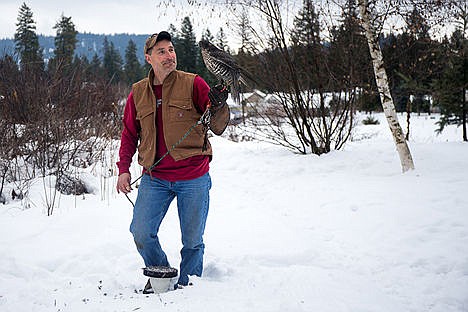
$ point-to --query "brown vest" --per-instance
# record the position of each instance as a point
(178, 115)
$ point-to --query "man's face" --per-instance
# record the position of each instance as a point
(162, 57)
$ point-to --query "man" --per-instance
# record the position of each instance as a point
(160, 111)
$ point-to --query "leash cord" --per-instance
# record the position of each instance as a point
(204, 120)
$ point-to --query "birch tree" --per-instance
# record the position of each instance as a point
(381, 79)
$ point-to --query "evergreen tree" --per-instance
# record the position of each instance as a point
(245, 55)
(221, 40)
(174, 35)
(308, 51)
(11, 108)
(349, 52)
(133, 69)
(174, 32)
(306, 25)
(416, 69)
(417, 25)
(244, 31)
(187, 50)
(207, 35)
(450, 89)
(65, 43)
(95, 69)
(112, 62)
(65, 40)
(27, 42)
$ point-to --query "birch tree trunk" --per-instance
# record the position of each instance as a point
(383, 87)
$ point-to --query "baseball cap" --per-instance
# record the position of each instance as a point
(154, 38)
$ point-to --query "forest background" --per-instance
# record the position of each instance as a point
(61, 107)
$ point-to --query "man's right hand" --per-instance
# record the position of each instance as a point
(123, 183)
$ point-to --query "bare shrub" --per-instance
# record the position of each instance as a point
(52, 121)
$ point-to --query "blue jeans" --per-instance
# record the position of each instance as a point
(154, 197)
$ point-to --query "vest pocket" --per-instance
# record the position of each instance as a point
(180, 109)
(147, 124)
(146, 120)
(144, 113)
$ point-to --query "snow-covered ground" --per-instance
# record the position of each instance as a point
(346, 231)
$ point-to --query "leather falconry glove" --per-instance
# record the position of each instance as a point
(218, 96)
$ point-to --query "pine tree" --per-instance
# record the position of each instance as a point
(417, 25)
(174, 32)
(245, 55)
(306, 25)
(244, 30)
(187, 50)
(450, 88)
(27, 42)
(174, 35)
(133, 69)
(221, 40)
(349, 52)
(95, 69)
(65, 40)
(65, 44)
(207, 35)
(307, 48)
(112, 62)
(416, 69)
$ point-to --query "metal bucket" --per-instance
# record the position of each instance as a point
(160, 277)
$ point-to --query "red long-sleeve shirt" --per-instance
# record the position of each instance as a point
(168, 169)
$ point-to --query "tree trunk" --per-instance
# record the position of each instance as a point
(465, 91)
(383, 87)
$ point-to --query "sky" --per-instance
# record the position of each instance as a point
(344, 231)
(137, 17)
(108, 16)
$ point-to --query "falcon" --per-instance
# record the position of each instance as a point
(224, 67)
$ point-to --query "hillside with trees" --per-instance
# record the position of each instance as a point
(62, 97)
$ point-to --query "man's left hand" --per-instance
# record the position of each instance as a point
(218, 96)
